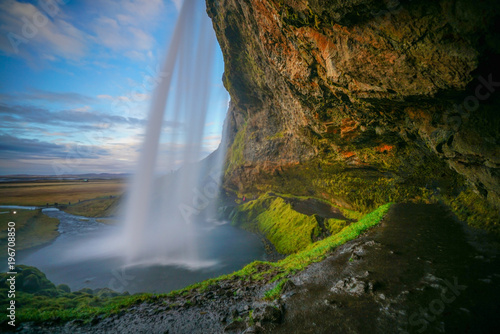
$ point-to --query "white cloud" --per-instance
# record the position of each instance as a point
(36, 33)
(126, 26)
(118, 98)
(31, 33)
(83, 109)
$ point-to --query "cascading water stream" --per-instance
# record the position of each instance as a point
(168, 238)
(161, 211)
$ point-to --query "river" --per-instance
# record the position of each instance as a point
(82, 256)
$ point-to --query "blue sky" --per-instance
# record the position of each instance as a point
(73, 83)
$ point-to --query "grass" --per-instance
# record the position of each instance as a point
(57, 303)
(64, 192)
(317, 251)
(39, 299)
(32, 228)
(288, 230)
(98, 207)
(275, 292)
(334, 226)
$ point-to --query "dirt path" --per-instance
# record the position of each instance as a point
(417, 272)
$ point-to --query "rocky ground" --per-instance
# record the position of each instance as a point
(419, 271)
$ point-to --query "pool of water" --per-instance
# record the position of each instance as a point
(83, 257)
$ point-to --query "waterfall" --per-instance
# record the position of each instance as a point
(163, 208)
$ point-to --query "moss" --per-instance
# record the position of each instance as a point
(317, 251)
(380, 171)
(277, 135)
(288, 230)
(475, 210)
(235, 154)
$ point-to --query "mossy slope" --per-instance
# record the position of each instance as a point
(288, 230)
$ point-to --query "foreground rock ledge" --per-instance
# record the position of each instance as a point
(419, 271)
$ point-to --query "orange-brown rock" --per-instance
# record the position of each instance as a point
(425, 72)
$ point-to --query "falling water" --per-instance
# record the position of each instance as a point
(162, 211)
(167, 239)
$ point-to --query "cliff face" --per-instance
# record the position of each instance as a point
(358, 81)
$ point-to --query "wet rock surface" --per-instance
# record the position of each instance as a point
(319, 78)
(418, 272)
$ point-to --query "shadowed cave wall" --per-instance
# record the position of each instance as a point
(405, 91)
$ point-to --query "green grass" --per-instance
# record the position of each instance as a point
(98, 207)
(317, 251)
(350, 214)
(33, 228)
(334, 226)
(51, 302)
(275, 292)
(38, 299)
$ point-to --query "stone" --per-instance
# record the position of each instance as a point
(352, 286)
(267, 313)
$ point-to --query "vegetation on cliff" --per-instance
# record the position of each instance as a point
(376, 174)
(287, 229)
(38, 299)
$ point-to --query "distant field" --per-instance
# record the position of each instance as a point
(32, 228)
(100, 207)
(64, 192)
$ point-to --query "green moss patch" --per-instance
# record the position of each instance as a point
(475, 210)
(288, 230)
(235, 152)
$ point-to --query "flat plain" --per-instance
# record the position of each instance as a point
(62, 192)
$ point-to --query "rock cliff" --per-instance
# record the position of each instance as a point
(380, 85)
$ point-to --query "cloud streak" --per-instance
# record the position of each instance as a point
(40, 115)
(15, 148)
(34, 94)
